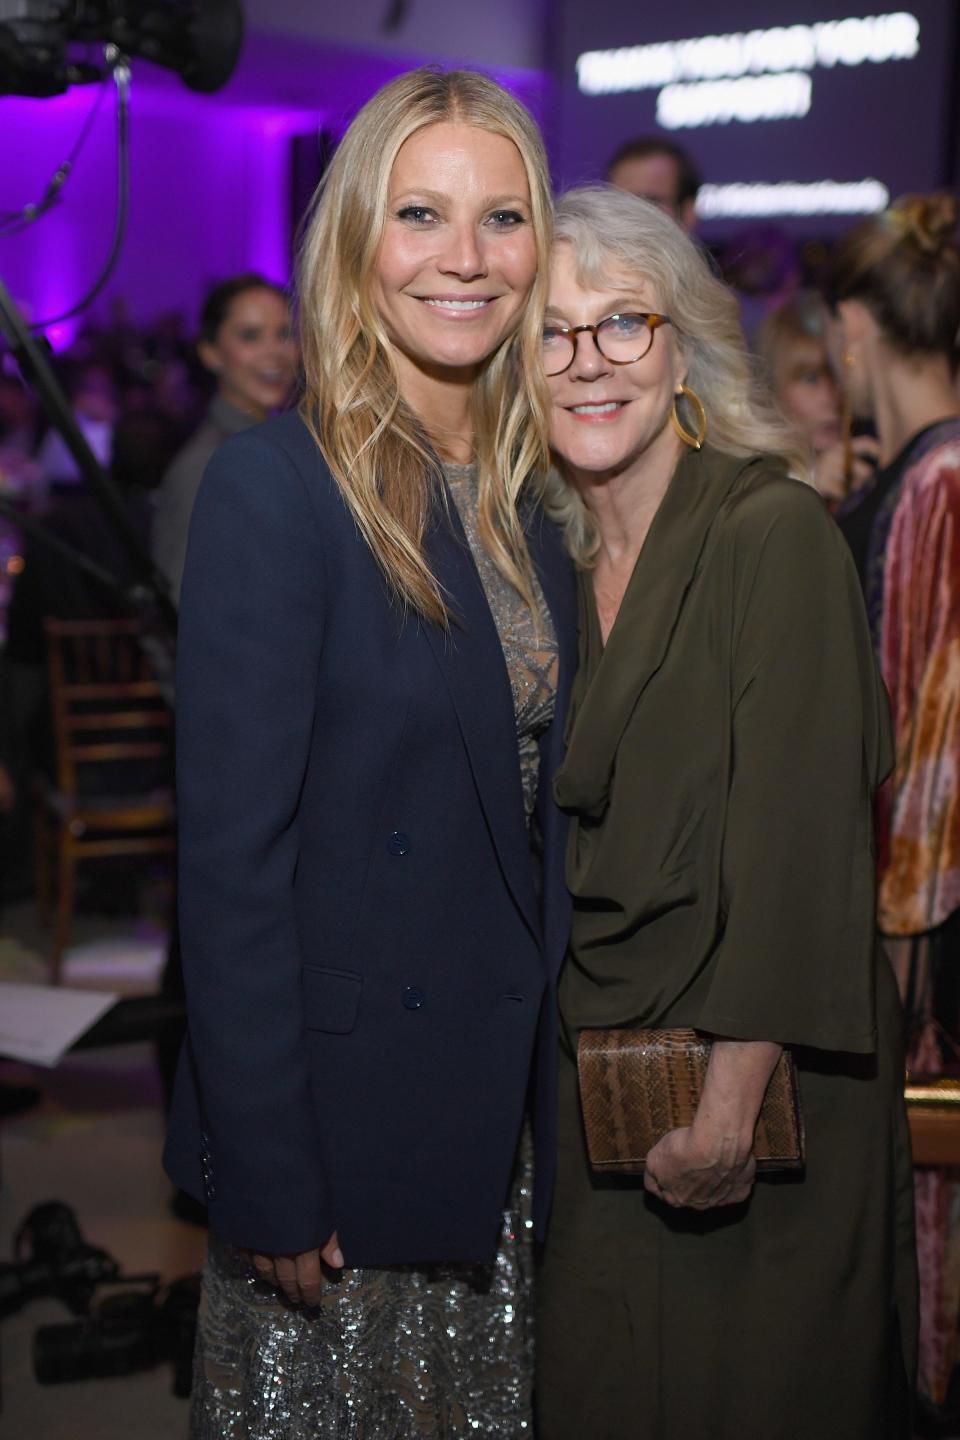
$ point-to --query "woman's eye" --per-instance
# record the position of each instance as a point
(249, 336)
(416, 214)
(625, 324)
(506, 219)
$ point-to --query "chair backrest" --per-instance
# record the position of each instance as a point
(110, 718)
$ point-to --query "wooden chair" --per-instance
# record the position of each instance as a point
(112, 731)
(933, 1109)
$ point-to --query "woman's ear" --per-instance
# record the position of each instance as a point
(209, 357)
(856, 323)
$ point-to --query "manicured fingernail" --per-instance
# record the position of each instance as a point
(337, 1261)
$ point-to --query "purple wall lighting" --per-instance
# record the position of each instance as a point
(209, 196)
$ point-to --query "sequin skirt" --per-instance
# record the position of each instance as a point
(400, 1353)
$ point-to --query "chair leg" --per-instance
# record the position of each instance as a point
(66, 873)
(41, 851)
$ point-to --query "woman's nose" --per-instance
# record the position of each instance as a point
(589, 362)
(463, 254)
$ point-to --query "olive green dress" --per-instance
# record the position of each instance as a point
(722, 750)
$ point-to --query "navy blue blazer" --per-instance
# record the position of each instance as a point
(370, 969)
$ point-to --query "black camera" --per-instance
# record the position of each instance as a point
(199, 39)
(52, 1258)
(143, 1325)
(126, 1332)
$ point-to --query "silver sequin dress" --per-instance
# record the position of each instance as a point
(402, 1352)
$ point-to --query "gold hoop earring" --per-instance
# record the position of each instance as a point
(693, 399)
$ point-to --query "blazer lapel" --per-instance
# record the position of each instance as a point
(645, 624)
(470, 659)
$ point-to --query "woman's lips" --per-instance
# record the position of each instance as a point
(597, 412)
(458, 308)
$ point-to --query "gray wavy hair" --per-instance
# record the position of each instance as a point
(613, 234)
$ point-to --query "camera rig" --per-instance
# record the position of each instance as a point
(199, 39)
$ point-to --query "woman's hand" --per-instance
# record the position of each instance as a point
(300, 1277)
(711, 1162)
(682, 1170)
(830, 469)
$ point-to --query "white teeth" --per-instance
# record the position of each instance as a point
(596, 409)
(458, 304)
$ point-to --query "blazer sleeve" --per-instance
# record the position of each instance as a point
(810, 737)
(248, 654)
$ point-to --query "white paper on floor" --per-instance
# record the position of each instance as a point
(39, 1023)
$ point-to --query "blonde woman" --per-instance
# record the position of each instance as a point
(727, 727)
(371, 690)
(791, 343)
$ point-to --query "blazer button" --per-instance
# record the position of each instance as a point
(399, 843)
(412, 997)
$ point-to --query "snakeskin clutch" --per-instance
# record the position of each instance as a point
(636, 1085)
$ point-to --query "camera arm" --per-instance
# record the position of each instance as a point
(37, 371)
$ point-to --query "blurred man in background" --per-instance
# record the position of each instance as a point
(660, 171)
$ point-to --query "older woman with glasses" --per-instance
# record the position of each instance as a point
(726, 733)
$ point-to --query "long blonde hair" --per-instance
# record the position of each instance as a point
(376, 447)
(613, 234)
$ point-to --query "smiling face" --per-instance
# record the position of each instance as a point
(254, 353)
(605, 418)
(458, 254)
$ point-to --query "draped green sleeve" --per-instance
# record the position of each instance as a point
(810, 737)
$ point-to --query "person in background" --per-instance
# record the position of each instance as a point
(658, 170)
(792, 345)
(18, 416)
(726, 730)
(48, 585)
(246, 343)
(761, 265)
(893, 287)
(91, 391)
(20, 473)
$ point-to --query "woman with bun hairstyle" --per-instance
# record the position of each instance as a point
(894, 288)
(375, 645)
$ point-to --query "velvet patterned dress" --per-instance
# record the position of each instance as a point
(904, 532)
